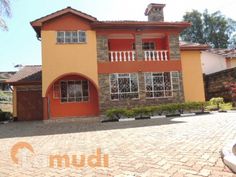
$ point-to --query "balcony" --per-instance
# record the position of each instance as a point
(119, 56)
(149, 55)
(156, 55)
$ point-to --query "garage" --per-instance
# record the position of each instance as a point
(27, 93)
(29, 104)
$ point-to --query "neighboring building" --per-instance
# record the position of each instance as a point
(3, 77)
(214, 60)
(89, 66)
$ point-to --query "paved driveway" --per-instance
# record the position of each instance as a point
(187, 146)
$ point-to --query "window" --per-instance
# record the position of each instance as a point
(123, 86)
(161, 84)
(70, 37)
(148, 46)
(74, 91)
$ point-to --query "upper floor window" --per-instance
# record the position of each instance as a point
(149, 46)
(123, 86)
(70, 37)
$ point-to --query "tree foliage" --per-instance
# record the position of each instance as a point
(213, 29)
(5, 11)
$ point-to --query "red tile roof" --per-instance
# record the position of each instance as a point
(6, 75)
(227, 53)
(37, 24)
(192, 46)
(28, 74)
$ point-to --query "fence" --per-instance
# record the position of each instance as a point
(214, 84)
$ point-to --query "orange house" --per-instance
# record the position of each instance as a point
(89, 66)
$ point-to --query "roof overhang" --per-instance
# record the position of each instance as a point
(37, 24)
(140, 25)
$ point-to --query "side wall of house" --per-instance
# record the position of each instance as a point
(212, 63)
(60, 59)
(192, 76)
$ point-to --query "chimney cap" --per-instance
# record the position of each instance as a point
(153, 5)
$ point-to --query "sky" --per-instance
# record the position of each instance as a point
(19, 44)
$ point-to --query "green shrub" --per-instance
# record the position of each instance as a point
(115, 113)
(4, 116)
(142, 111)
(129, 113)
(171, 108)
(226, 106)
(216, 101)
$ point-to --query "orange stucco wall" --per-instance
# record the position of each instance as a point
(74, 109)
(192, 76)
(59, 59)
(139, 66)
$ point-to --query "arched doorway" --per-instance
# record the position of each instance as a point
(72, 95)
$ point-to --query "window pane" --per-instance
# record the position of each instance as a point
(159, 94)
(124, 85)
(78, 90)
(68, 37)
(82, 36)
(60, 37)
(85, 90)
(149, 94)
(134, 84)
(63, 91)
(114, 96)
(74, 37)
(71, 91)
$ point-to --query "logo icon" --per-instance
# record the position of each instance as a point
(18, 147)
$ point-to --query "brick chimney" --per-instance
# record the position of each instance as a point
(155, 12)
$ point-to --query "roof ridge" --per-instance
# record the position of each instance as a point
(61, 11)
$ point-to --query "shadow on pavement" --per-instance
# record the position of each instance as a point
(40, 128)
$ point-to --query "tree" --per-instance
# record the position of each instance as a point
(214, 29)
(5, 11)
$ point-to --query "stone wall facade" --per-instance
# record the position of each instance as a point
(139, 47)
(214, 84)
(174, 47)
(105, 101)
(102, 48)
(156, 14)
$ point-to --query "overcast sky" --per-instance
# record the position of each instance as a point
(20, 46)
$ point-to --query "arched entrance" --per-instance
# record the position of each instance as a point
(72, 95)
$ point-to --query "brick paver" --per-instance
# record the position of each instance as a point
(187, 146)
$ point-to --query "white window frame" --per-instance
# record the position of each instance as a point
(164, 90)
(79, 32)
(67, 93)
(120, 93)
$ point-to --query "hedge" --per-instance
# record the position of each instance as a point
(5, 116)
(166, 109)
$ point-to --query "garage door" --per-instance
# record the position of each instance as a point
(29, 104)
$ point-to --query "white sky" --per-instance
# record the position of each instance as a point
(20, 46)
